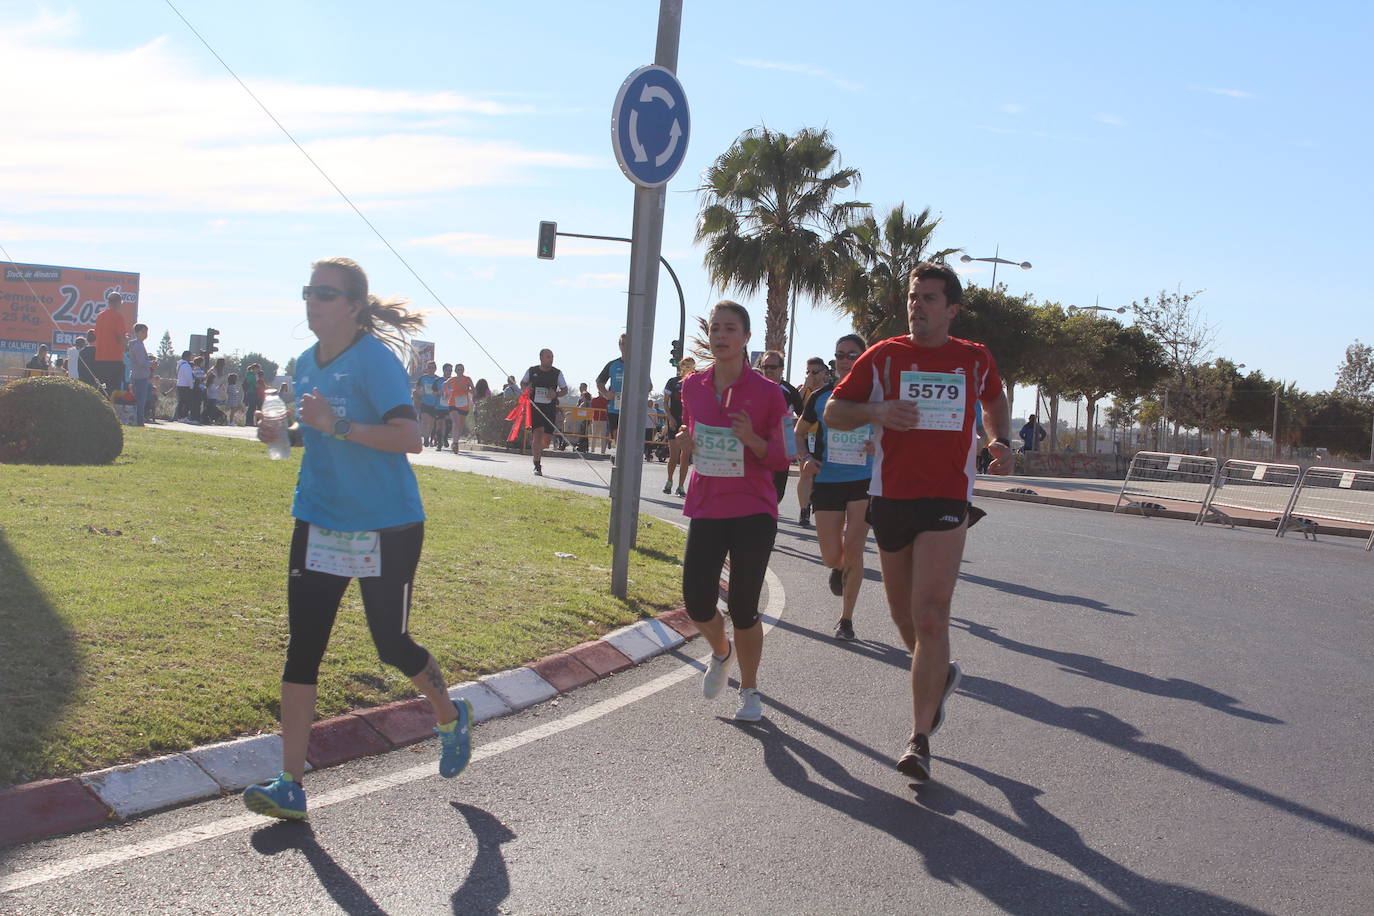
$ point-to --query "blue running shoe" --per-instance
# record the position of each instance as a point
(456, 743)
(279, 797)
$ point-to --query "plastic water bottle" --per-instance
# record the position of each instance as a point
(274, 413)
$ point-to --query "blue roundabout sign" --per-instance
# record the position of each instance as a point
(650, 124)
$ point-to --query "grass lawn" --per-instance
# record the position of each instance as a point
(143, 604)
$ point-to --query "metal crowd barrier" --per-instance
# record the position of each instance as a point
(1257, 486)
(1333, 494)
(1162, 475)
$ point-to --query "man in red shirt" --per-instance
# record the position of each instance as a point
(920, 389)
(111, 337)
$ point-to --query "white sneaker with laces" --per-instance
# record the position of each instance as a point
(717, 672)
(750, 705)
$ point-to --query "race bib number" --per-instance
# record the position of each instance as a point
(543, 395)
(939, 396)
(355, 554)
(461, 401)
(717, 451)
(847, 447)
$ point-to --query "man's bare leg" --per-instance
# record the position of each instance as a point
(936, 556)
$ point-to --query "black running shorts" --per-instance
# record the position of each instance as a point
(836, 496)
(544, 416)
(896, 522)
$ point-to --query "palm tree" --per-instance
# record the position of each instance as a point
(872, 274)
(768, 218)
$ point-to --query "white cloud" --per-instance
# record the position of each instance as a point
(1012, 108)
(803, 69)
(1110, 119)
(145, 130)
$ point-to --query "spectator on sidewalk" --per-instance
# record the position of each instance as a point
(112, 336)
(1032, 434)
(74, 358)
(86, 368)
(186, 383)
(39, 363)
(233, 399)
(140, 371)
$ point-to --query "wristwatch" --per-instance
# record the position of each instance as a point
(342, 428)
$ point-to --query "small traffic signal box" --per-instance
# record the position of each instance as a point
(548, 236)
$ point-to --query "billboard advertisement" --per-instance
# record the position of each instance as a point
(42, 304)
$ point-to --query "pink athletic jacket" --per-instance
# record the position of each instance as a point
(763, 401)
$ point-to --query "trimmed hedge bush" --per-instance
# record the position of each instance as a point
(57, 420)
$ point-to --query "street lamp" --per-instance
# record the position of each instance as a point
(1096, 308)
(994, 261)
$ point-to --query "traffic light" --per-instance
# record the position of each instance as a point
(675, 354)
(548, 235)
(211, 340)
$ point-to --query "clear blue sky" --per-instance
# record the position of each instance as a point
(1121, 148)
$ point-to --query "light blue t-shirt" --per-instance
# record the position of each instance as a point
(832, 471)
(345, 486)
(429, 388)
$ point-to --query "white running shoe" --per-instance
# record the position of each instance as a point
(717, 672)
(750, 705)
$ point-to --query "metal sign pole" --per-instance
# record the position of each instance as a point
(645, 247)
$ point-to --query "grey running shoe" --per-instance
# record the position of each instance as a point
(717, 672)
(915, 762)
(750, 705)
(538, 471)
(951, 682)
(845, 630)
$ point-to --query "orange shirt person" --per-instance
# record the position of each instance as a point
(457, 394)
(111, 337)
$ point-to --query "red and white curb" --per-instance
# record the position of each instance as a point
(56, 806)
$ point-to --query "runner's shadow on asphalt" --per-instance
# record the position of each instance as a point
(1035, 594)
(488, 881)
(958, 855)
(1091, 667)
(877, 651)
(351, 897)
(1115, 732)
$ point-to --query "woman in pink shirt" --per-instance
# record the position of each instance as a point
(732, 420)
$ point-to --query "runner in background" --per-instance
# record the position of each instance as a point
(610, 384)
(358, 515)
(546, 385)
(672, 401)
(427, 388)
(442, 419)
(817, 377)
(841, 465)
(732, 431)
(920, 388)
(771, 364)
(458, 394)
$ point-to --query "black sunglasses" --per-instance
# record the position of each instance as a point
(854, 355)
(322, 293)
(772, 365)
(815, 371)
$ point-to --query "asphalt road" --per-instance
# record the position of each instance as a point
(1154, 717)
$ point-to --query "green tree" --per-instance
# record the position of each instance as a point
(873, 268)
(1337, 422)
(269, 367)
(1355, 378)
(1007, 326)
(1177, 324)
(166, 356)
(290, 367)
(1112, 359)
(768, 218)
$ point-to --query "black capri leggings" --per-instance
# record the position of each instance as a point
(748, 540)
(313, 601)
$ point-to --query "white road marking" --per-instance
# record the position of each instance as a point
(777, 603)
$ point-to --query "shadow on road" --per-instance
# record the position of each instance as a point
(956, 854)
(877, 651)
(1035, 594)
(351, 897)
(488, 881)
(1088, 666)
(1110, 730)
(38, 669)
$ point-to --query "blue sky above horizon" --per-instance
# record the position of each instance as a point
(1123, 149)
